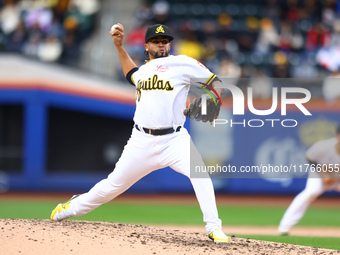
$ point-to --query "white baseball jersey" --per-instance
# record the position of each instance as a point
(162, 88)
(324, 153)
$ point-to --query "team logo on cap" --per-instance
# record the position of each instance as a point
(159, 29)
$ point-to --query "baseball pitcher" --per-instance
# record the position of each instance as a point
(158, 137)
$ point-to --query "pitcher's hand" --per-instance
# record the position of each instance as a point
(117, 33)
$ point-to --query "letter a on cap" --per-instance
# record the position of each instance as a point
(159, 29)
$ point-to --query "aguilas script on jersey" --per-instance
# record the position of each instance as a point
(154, 84)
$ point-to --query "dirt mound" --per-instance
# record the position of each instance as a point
(18, 236)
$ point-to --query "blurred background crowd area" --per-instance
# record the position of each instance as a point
(234, 39)
(47, 30)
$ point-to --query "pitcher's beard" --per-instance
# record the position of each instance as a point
(159, 54)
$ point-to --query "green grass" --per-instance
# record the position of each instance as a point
(270, 216)
(190, 215)
(320, 242)
(174, 214)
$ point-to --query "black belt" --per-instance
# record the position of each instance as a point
(163, 131)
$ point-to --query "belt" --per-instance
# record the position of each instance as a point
(160, 131)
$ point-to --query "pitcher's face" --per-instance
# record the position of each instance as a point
(158, 47)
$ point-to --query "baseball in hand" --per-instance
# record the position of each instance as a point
(114, 30)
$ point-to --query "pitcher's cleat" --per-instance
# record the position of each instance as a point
(218, 236)
(60, 212)
(283, 231)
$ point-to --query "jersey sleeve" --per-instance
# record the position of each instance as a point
(192, 68)
(129, 75)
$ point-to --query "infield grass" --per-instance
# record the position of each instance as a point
(174, 214)
(162, 214)
(318, 242)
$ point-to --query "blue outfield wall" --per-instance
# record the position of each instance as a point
(251, 146)
(280, 146)
(34, 176)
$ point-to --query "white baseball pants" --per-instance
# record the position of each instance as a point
(143, 154)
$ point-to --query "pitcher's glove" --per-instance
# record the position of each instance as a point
(194, 110)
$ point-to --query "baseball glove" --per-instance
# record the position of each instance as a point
(194, 110)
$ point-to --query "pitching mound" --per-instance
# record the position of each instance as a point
(18, 236)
